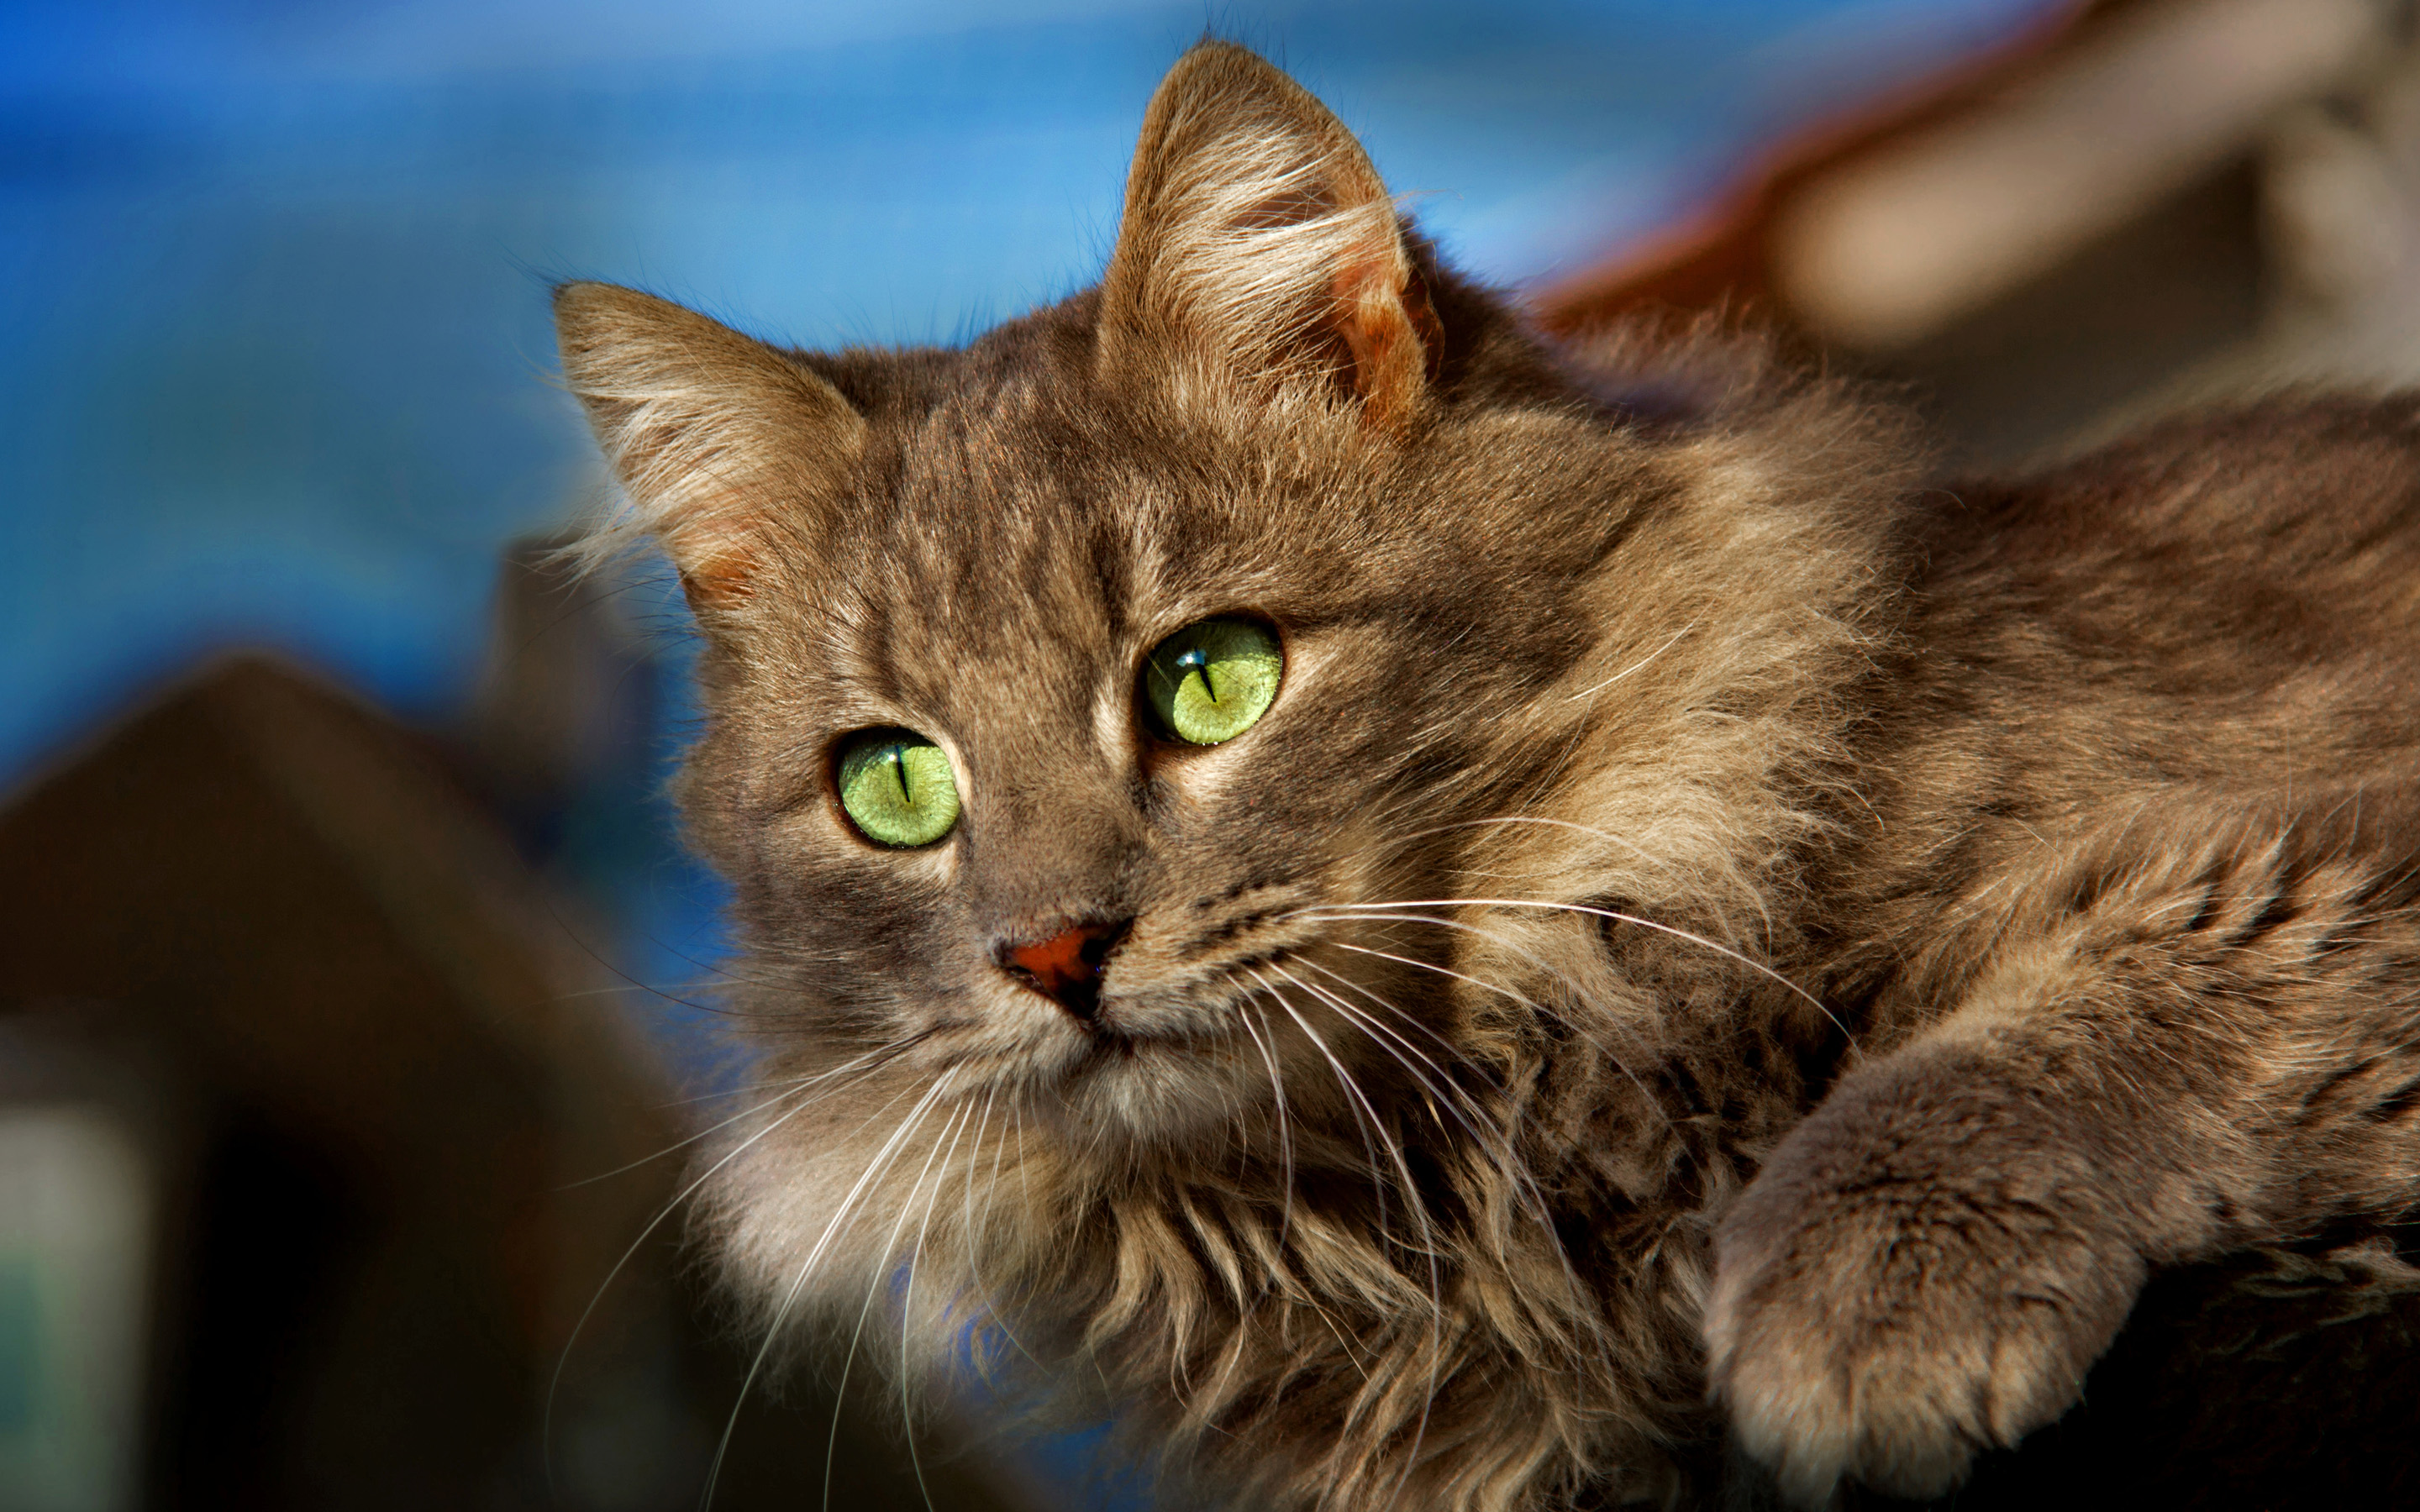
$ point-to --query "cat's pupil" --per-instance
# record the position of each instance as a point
(1197, 661)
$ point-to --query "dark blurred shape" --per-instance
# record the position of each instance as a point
(2274, 1380)
(2141, 103)
(2125, 213)
(568, 699)
(1723, 255)
(567, 740)
(285, 1000)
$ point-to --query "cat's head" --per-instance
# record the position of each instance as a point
(1115, 711)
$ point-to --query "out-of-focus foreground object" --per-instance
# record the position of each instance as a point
(304, 1091)
(2143, 205)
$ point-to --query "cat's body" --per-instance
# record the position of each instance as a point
(1703, 912)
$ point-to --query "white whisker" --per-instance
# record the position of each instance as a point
(1724, 950)
(1566, 1019)
(1636, 666)
(1428, 1242)
(554, 1384)
(1285, 1130)
(1457, 1099)
(781, 1315)
(1495, 1140)
(793, 1087)
(1354, 1102)
(874, 1287)
(907, 1306)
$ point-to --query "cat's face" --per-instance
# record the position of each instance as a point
(1024, 563)
(1105, 711)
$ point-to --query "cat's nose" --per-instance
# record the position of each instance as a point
(1067, 967)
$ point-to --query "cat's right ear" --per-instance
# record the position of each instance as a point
(713, 434)
(1260, 248)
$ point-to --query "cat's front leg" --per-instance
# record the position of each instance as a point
(1914, 1278)
(1927, 1266)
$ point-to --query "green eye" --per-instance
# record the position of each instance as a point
(897, 787)
(1209, 682)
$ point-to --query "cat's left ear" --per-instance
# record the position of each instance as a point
(716, 437)
(1261, 246)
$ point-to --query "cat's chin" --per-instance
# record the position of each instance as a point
(1152, 1091)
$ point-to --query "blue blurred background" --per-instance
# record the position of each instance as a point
(273, 273)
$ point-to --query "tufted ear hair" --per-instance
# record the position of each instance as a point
(1260, 244)
(715, 436)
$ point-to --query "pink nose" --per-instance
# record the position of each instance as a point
(1067, 967)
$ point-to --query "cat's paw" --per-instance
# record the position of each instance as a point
(1882, 1315)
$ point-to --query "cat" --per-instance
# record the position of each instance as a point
(1454, 940)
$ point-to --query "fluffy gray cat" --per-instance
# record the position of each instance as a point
(1452, 941)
